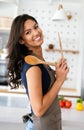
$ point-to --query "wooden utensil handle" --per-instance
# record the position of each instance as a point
(60, 43)
(50, 63)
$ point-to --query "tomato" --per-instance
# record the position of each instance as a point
(61, 103)
(64, 103)
(68, 104)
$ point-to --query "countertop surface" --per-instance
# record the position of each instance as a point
(72, 117)
(13, 107)
(16, 106)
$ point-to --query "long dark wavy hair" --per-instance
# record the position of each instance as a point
(17, 51)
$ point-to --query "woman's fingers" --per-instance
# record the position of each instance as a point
(61, 63)
(62, 66)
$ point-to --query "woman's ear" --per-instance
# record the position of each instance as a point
(21, 41)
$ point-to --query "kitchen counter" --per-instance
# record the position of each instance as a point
(12, 114)
(6, 89)
(12, 108)
(72, 119)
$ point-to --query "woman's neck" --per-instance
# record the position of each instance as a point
(38, 52)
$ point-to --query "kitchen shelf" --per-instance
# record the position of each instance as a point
(7, 90)
(66, 51)
(5, 22)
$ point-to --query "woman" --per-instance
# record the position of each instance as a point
(41, 82)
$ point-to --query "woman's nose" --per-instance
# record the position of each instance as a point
(35, 32)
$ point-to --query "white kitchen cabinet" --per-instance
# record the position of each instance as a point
(10, 1)
(8, 8)
(5, 24)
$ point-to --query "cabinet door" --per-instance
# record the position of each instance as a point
(8, 8)
(5, 23)
(10, 1)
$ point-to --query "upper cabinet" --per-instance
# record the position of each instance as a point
(5, 23)
(10, 1)
(8, 10)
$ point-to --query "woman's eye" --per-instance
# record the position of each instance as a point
(28, 32)
(36, 26)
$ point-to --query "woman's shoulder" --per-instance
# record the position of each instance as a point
(25, 66)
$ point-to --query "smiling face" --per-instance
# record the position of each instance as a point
(32, 35)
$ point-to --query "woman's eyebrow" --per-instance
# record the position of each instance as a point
(29, 29)
(26, 30)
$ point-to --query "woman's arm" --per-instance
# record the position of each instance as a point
(39, 102)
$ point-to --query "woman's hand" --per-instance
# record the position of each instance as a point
(62, 70)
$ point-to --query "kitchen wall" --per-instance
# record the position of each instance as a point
(71, 32)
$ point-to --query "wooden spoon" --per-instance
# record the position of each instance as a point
(34, 61)
(60, 43)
